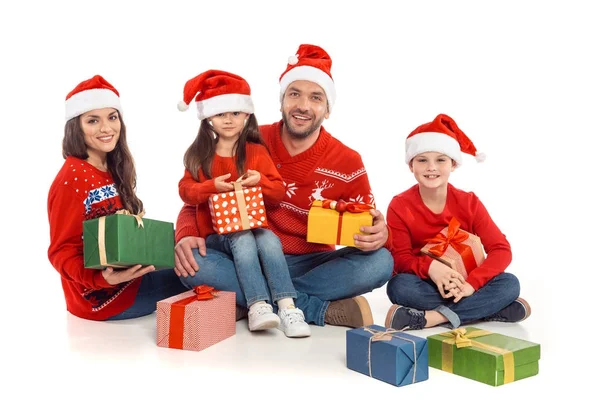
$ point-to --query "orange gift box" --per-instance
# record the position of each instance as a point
(460, 250)
(336, 222)
(237, 210)
(196, 319)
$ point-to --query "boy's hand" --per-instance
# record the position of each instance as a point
(466, 291)
(445, 277)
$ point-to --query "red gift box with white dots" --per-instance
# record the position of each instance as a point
(225, 210)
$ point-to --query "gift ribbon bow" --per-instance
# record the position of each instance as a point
(455, 238)
(102, 233)
(177, 318)
(341, 207)
(387, 335)
(461, 338)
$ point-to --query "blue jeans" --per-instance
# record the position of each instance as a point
(155, 286)
(317, 277)
(250, 249)
(422, 294)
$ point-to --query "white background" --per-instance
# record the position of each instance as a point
(519, 77)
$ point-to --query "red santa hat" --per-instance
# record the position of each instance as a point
(311, 63)
(217, 92)
(442, 135)
(89, 95)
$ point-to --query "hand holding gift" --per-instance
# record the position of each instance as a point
(115, 277)
(221, 185)
(250, 178)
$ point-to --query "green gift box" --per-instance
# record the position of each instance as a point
(484, 356)
(122, 240)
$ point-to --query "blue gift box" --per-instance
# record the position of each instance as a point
(390, 356)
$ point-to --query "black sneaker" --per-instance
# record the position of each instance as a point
(516, 311)
(400, 317)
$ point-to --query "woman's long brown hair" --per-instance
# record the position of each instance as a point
(119, 161)
(201, 152)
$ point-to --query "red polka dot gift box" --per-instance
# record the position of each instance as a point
(238, 210)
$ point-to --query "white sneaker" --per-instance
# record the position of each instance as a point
(292, 323)
(262, 317)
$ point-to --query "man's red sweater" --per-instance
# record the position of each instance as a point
(328, 170)
(78, 192)
(411, 223)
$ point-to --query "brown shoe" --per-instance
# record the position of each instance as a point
(240, 312)
(354, 312)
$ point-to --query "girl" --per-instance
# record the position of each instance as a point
(424, 291)
(228, 146)
(98, 178)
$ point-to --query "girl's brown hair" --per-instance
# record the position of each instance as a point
(201, 152)
(119, 161)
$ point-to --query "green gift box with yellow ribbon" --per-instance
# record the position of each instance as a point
(122, 240)
(483, 356)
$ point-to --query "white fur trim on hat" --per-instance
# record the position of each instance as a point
(225, 103)
(433, 141)
(312, 74)
(91, 99)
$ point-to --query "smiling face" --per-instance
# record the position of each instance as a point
(101, 130)
(303, 108)
(432, 169)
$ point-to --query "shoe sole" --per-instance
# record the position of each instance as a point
(390, 315)
(525, 305)
(365, 310)
(265, 325)
(296, 335)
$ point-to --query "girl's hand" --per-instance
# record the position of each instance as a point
(125, 275)
(251, 178)
(221, 185)
(446, 278)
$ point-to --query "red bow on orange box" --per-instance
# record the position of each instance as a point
(176, 322)
(341, 206)
(455, 238)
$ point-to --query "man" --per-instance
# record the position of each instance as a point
(314, 166)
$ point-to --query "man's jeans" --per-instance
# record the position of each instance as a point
(155, 286)
(317, 277)
(411, 291)
(251, 249)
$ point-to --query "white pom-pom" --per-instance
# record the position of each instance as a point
(293, 60)
(181, 106)
(480, 157)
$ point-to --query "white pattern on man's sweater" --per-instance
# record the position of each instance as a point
(318, 190)
(294, 208)
(341, 176)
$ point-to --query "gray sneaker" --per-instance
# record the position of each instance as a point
(400, 317)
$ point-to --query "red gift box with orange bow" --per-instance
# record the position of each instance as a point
(460, 250)
(196, 319)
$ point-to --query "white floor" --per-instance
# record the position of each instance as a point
(49, 351)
